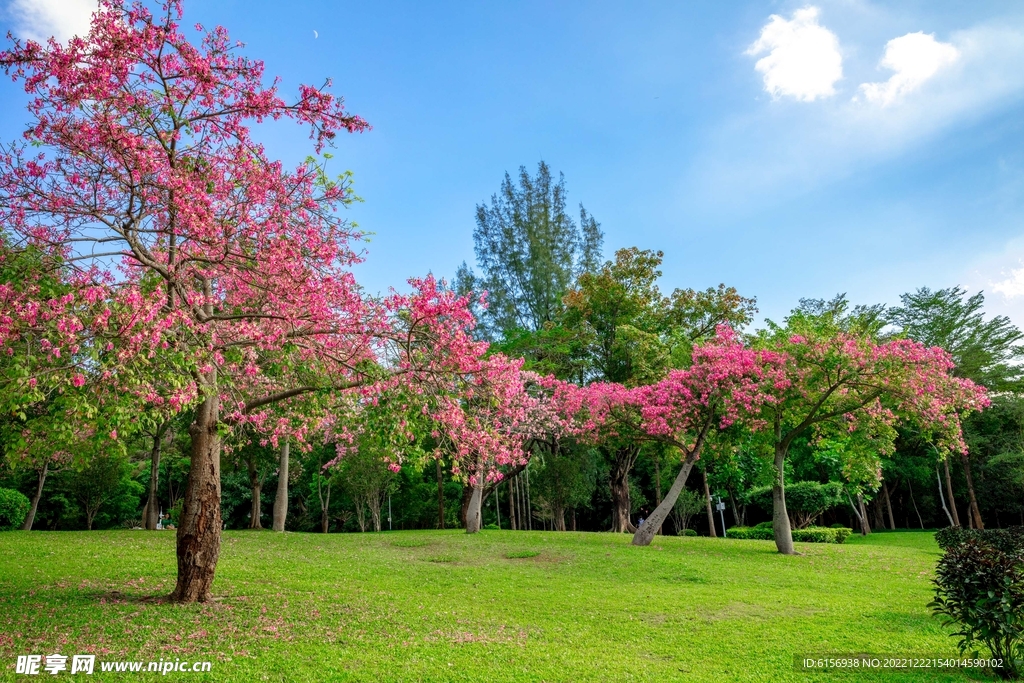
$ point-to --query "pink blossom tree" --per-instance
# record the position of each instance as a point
(838, 377)
(140, 181)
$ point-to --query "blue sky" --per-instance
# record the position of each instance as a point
(788, 149)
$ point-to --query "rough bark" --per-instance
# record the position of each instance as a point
(198, 534)
(30, 518)
(780, 516)
(281, 499)
(621, 507)
(707, 505)
(949, 492)
(558, 518)
(652, 524)
(256, 512)
(152, 505)
(974, 511)
(473, 510)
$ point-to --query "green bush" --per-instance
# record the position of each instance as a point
(689, 532)
(1009, 540)
(805, 500)
(13, 508)
(175, 512)
(755, 533)
(814, 534)
(979, 588)
(491, 527)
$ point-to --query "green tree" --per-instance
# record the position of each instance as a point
(530, 250)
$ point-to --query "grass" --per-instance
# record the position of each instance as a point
(496, 606)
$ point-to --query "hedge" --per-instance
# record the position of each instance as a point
(1009, 540)
(812, 534)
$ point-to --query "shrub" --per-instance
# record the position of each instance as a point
(979, 588)
(755, 533)
(1010, 540)
(13, 508)
(805, 500)
(492, 527)
(814, 534)
(689, 532)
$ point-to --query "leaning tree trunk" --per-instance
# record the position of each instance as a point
(281, 499)
(865, 526)
(780, 516)
(621, 506)
(650, 527)
(707, 504)
(974, 511)
(30, 518)
(942, 498)
(949, 493)
(198, 534)
(152, 506)
(473, 510)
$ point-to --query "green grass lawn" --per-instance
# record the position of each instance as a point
(497, 606)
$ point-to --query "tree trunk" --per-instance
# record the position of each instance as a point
(978, 524)
(30, 518)
(865, 526)
(707, 504)
(529, 503)
(89, 516)
(888, 505)
(737, 520)
(620, 491)
(558, 518)
(153, 505)
(440, 497)
(281, 499)
(652, 525)
(473, 511)
(942, 498)
(780, 516)
(657, 483)
(511, 504)
(467, 498)
(256, 512)
(876, 509)
(198, 534)
(949, 492)
(914, 503)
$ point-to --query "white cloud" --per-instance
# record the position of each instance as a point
(1013, 286)
(915, 58)
(803, 59)
(40, 19)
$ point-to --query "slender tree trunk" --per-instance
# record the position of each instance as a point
(89, 516)
(780, 516)
(657, 483)
(473, 511)
(256, 512)
(857, 514)
(888, 505)
(574, 519)
(152, 505)
(652, 525)
(942, 498)
(281, 499)
(521, 500)
(978, 524)
(736, 519)
(198, 534)
(30, 518)
(529, 503)
(949, 492)
(876, 509)
(864, 524)
(707, 505)
(621, 507)
(910, 487)
(440, 496)
(511, 503)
